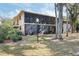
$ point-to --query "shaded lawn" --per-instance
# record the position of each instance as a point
(29, 46)
(63, 48)
(14, 50)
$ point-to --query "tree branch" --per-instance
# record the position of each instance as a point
(68, 9)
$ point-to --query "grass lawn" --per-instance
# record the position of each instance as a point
(29, 46)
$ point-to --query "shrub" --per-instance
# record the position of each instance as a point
(19, 33)
(2, 35)
(1, 39)
(16, 38)
(19, 37)
(14, 35)
(9, 33)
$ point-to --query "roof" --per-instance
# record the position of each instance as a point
(32, 13)
(64, 17)
(38, 13)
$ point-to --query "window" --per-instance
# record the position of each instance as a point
(27, 19)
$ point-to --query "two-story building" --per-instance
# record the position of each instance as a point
(26, 22)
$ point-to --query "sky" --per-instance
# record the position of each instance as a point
(9, 10)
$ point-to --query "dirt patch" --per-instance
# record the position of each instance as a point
(41, 50)
(37, 52)
(2, 53)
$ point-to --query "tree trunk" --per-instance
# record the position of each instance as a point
(67, 15)
(73, 27)
(56, 20)
(60, 21)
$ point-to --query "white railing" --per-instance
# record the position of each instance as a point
(41, 24)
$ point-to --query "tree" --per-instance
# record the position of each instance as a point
(73, 10)
(56, 20)
(67, 16)
(7, 22)
(59, 20)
